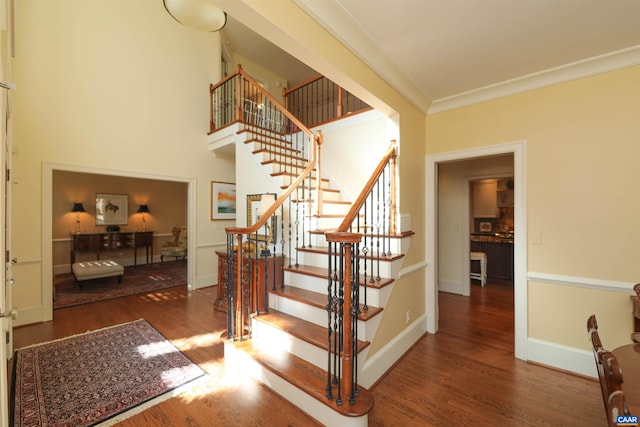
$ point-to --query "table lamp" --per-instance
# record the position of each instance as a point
(77, 208)
(143, 209)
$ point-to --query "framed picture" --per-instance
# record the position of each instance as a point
(265, 233)
(112, 209)
(485, 227)
(223, 200)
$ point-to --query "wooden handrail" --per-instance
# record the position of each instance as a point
(277, 103)
(390, 155)
(287, 91)
(316, 141)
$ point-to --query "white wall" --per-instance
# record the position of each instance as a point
(352, 149)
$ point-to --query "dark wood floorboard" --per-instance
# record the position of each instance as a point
(465, 374)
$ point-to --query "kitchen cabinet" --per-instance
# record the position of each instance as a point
(504, 193)
(484, 198)
(499, 260)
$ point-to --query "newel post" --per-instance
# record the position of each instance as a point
(393, 209)
(318, 196)
(347, 241)
(239, 88)
(239, 322)
(212, 125)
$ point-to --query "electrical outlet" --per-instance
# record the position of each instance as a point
(408, 316)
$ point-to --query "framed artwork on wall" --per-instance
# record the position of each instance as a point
(223, 200)
(112, 209)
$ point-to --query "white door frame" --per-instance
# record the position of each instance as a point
(47, 226)
(520, 228)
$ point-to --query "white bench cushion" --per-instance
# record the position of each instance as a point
(96, 269)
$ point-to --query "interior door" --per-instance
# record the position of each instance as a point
(6, 276)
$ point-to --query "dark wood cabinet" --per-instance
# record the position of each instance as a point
(499, 260)
(265, 273)
(102, 242)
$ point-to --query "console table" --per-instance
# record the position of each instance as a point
(258, 266)
(99, 242)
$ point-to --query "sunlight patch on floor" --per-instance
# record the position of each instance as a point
(197, 341)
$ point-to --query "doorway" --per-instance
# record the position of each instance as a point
(46, 311)
(433, 277)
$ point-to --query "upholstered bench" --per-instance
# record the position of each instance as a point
(89, 270)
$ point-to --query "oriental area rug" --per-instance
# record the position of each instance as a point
(135, 280)
(97, 378)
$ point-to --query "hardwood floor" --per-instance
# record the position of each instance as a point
(465, 374)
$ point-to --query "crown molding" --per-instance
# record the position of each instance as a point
(333, 17)
(588, 67)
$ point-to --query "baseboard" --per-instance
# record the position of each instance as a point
(561, 357)
(206, 281)
(384, 359)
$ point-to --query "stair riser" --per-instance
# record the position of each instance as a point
(375, 297)
(396, 246)
(243, 364)
(267, 338)
(389, 269)
(315, 315)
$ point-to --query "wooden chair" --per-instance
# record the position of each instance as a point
(616, 403)
(594, 337)
(617, 407)
(609, 375)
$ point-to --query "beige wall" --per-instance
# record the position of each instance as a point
(581, 196)
(114, 86)
(167, 203)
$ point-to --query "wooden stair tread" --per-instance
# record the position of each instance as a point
(402, 235)
(305, 331)
(308, 378)
(325, 250)
(310, 270)
(319, 300)
(324, 202)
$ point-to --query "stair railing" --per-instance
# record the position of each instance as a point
(295, 151)
(319, 100)
(355, 250)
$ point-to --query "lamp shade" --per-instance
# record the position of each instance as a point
(77, 207)
(143, 209)
(199, 14)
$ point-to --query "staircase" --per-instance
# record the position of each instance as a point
(300, 346)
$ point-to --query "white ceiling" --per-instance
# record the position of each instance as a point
(435, 51)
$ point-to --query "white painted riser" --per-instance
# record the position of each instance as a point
(243, 364)
(375, 297)
(320, 241)
(317, 315)
(388, 269)
(269, 339)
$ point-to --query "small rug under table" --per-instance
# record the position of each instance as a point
(135, 280)
(94, 377)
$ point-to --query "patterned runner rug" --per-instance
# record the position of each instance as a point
(135, 280)
(97, 377)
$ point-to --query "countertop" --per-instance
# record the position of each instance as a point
(492, 237)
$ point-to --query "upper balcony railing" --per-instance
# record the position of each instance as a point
(320, 100)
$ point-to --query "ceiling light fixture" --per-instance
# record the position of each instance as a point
(202, 15)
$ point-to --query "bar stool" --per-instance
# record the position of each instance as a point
(482, 258)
